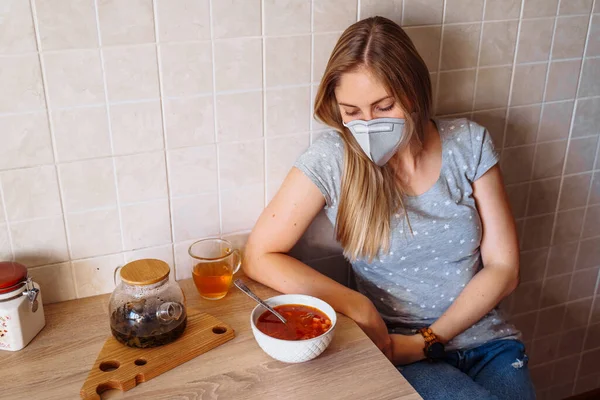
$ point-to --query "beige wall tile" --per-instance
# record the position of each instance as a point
(569, 38)
(565, 370)
(5, 247)
(526, 324)
(571, 342)
(241, 164)
(455, 92)
(136, 127)
(88, 184)
(556, 121)
(493, 85)
(561, 259)
(183, 262)
(596, 310)
(422, 12)
(595, 189)
(523, 125)
(517, 197)
(28, 143)
(192, 170)
(568, 226)
(391, 9)
(586, 384)
(562, 80)
(146, 224)
(21, 82)
(498, 43)
(593, 338)
(239, 116)
(183, 20)
(189, 121)
(539, 376)
(540, 8)
(56, 282)
(288, 111)
(163, 253)
(141, 177)
(81, 133)
(74, 78)
(545, 349)
(577, 314)
(238, 64)
(186, 68)
(427, 41)
(537, 232)
(591, 226)
(461, 44)
(528, 84)
(69, 24)
(128, 22)
(94, 233)
(587, 117)
(533, 265)
(287, 60)
(589, 254)
(516, 164)
(131, 73)
(502, 9)
(535, 40)
(583, 284)
(241, 207)
(287, 17)
(590, 367)
(282, 153)
(527, 297)
(31, 193)
(463, 11)
(493, 121)
(590, 79)
(235, 18)
(581, 155)
(543, 196)
(16, 28)
(575, 191)
(95, 275)
(593, 45)
(549, 159)
(549, 319)
(39, 242)
(195, 217)
(322, 48)
(575, 7)
(333, 15)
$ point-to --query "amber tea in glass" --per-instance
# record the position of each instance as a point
(215, 263)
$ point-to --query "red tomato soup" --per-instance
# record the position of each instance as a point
(303, 322)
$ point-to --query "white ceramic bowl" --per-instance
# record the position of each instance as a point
(293, 351)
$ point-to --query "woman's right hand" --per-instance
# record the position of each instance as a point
(369, 320)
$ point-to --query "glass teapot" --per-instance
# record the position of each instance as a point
(146, 309)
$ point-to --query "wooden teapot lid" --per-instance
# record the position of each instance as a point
(145, 272)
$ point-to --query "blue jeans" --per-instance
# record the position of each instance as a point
(493, 371)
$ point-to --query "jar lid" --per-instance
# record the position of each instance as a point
(144, 272)
(11, 274)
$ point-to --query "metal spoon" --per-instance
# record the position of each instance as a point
(240, 285)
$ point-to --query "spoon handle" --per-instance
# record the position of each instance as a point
(240, 285)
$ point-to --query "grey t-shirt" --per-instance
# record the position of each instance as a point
(423, 273)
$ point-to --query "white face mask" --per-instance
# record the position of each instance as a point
(379, 138)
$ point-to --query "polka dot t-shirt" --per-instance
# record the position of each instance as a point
(425, 271)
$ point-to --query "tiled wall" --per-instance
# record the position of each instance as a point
(129, 128)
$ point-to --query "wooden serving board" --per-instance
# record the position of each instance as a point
(122, 367)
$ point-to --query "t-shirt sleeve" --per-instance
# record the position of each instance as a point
(485, 155)
(322, 163)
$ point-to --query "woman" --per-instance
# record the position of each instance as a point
(420, 211)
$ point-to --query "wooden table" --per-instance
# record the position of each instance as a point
(56, 363)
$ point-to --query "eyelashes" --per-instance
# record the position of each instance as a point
(354, 113)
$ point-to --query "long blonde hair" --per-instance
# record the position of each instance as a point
(370, 194)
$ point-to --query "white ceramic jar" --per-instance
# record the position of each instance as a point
(21, 309)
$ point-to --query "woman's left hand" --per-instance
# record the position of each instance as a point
(407, 349)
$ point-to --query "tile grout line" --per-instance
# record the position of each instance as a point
(8, 232)
(264, 117)
(48, 111)
(479, 46)
(438, 72)
(162, 100)
(215, 116)
(110, 135)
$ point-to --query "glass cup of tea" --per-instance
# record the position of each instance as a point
(215, 262)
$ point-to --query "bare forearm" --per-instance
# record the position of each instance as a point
(288, 275)
(479, 297)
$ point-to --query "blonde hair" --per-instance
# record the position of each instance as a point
(370, 194)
